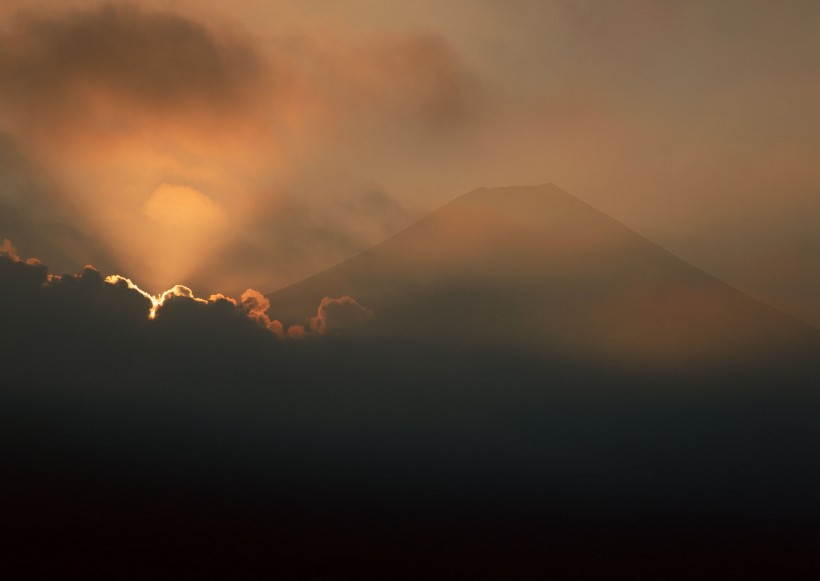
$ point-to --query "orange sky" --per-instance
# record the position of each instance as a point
(250, 145)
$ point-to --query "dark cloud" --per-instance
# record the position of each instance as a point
(88, 310)
(79, 310)
(158, 59)
(88, 296)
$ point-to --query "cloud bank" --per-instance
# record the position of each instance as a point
(91, 308)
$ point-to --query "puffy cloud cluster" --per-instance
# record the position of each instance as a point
(89, 306)
(256, 305)
(342, 315)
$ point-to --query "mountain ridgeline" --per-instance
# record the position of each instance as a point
(536, 270)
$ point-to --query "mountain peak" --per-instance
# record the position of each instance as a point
(515, 195)
(536, 269)
(545, 188)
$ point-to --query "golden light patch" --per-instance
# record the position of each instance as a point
(185, 209)
(186, 227)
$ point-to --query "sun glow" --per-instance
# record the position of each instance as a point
(253, 303)
(157, 300)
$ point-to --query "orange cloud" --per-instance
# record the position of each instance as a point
(341, 315)
(177, 139)
(256, 306)
(7, 249)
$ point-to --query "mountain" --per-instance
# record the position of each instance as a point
(537, 270)
(477, 428)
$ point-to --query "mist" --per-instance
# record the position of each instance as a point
(307, 134)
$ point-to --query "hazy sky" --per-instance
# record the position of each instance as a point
(250, 144)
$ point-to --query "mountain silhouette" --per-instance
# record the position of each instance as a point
(537, 388)
(535, 269)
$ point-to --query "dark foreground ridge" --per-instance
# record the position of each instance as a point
(200, 443)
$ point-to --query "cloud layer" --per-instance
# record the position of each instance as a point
(88, 309)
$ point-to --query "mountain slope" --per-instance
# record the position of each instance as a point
(535, 269)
